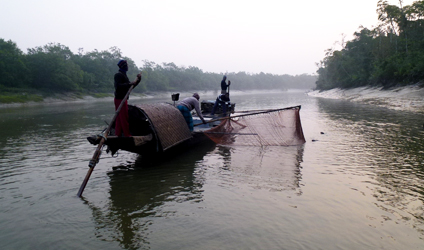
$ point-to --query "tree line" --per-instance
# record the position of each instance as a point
(390, 54)
(55, 68)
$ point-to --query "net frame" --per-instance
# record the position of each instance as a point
(279, 127)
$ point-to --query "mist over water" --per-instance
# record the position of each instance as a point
(357, 183)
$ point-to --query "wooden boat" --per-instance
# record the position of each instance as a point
(156, 128)
(160, 128)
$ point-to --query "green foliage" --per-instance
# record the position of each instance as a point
(169, 77)
(99, 68)
(20, 98)
(390, 54)
(53, 68)
(13, 69)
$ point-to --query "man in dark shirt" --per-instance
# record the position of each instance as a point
(224, 85)
(223, 98)
(122, 85)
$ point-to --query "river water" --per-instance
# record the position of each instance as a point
(357, 183)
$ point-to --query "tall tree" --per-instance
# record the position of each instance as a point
(13, 69)
(52, 68)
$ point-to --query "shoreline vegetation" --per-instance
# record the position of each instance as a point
(54, 70)
(389, 55)
(383, 65)
(385, 58)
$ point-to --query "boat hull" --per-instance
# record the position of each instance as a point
(157, 129)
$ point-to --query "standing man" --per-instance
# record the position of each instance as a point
(224, 98)
(122, 85)
(187, 105)
(224, 85)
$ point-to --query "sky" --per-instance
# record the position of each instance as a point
(270, 36)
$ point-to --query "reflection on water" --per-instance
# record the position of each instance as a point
(140, 198)
(141, 194)
(269, 168)
(390, 153)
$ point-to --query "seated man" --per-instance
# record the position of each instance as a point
(187, 105)
(222, 99)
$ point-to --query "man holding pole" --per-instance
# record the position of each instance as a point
(224, 98)
(122, 85)
(224, 85)
(123, 88)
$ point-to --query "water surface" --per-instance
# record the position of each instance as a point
(357, 183)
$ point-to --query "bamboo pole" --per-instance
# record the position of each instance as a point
(95, 159)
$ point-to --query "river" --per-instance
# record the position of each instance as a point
(357, 183)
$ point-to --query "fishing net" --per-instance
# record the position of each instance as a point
(269, 128)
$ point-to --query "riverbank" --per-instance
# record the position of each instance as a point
(408, 98)
(26, 99)
(64, 98)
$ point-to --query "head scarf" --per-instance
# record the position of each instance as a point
(195, 95)
(123, 65)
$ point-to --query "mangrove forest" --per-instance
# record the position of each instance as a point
(54, 68)
(389, 54)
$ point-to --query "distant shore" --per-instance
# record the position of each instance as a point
(408, 98)
(72, 98)
(81, 98)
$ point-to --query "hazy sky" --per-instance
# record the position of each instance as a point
(270, 36)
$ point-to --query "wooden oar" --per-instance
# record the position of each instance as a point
(254, 113)
(95, 159)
